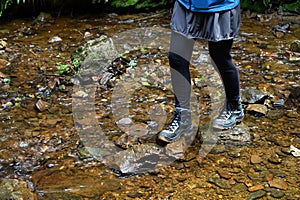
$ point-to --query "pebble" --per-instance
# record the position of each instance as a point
(50, 123)
(275, 114)
(255, 159)
(224, 174)
(278, 183)
(257, 109)
(269, 177)
(55, 39)
(275, 193)
(274, 159)
(256, 195)
(222, 183)
(15, 189)
(239, 187)
(256, 188)
(134, 194)
(297, 140)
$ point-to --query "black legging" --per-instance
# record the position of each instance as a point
(180, 53)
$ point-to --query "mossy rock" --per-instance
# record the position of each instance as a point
(95, 54)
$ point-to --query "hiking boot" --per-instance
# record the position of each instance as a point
(231, 114)
(180, 123)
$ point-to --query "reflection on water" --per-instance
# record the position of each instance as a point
(43, 147)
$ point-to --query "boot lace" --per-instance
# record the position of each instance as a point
(225, 114)
(173, 125)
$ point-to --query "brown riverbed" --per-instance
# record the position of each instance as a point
(43, 147)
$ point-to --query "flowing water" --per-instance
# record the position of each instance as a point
(39, 142)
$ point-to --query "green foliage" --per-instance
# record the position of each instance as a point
(138, 4)
(124, 3)
(262, 6)
(63, 68)
(3, 5)
(76, 63)
(292, 7)
(253, 5)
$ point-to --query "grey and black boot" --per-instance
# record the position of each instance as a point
(231, 114)
(180, 123)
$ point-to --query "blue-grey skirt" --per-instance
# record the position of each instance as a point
(218, 26)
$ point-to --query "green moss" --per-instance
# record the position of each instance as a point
(3, 5)
(292, 7)
(256, 6)
(138, 4)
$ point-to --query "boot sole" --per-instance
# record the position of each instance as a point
(176, 138)
(238, 121)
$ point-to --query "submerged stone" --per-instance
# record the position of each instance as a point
(239, 135)
(253, 95)
(15, 190)
(256, 195)
(257, 110)
(295, 46)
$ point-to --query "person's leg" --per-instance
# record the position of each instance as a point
(220, 54)
(180, 53)
(179, 59)
(232, 112)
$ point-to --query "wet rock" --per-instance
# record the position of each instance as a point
(239, 187)
(83, 153)
(269, 177)
(43, 18)
(294, 151)
(14, 189)
(224, 174)
(280, 30)
(292, 114)
(275, 159)
(253, 95)
(278, 103)
(255, 159)
(55, 39)
(135, 194)
(95, 55)
(294, 99)
(239, 135)
(255, 177)
(278, 183)
(4, 63)
(295, 46)
(256, 188)
(50, 123)
(87, 35)
(257, 110)
(105, 78)
(275, 114)
(125, 123)
(74, 183)
(136, 159)
(256, 195)
(125, 141)
(222, 183)
(176, 149)
(138, 130)
(275, 193)
(3, 44)
(2, 75)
